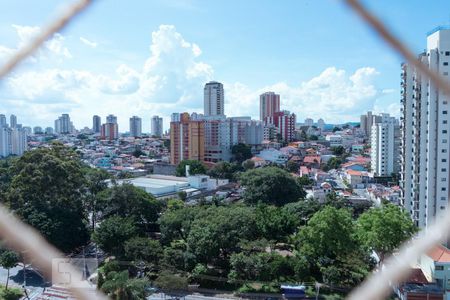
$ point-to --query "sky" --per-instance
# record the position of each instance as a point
(153, 57)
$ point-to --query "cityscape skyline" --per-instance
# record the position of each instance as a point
(133, 81)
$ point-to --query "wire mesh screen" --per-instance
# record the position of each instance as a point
(20, 236)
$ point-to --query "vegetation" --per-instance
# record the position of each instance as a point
(8, 260)
(270, 185)
(241, 152)
(10, 294)
(273, 236)
(195, 167)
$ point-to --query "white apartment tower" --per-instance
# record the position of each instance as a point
(157, 126)
(213, 99)
(135, 126)
(385, 146)
(425, 138)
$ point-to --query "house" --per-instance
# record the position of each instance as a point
(356, 179)
(259, 162)
(334, 139)
(435, 265)
(274, 156)
(355, 166)
(417, 287)
(312, 161)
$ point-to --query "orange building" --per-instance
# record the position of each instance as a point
(187, 139)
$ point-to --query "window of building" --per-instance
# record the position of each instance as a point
(444, 112)
(444, 160)
(444, 131)
(447, 53)
(443, 170)
(443, 122)
(443, 179)
(443, 189)
(444, 141)
(445, 73)
(439, 268)
(443, 198)
(445, 63)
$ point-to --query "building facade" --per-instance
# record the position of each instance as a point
(157, 126)
(385, 146)
(63, 125)
(96, 124)
(135, 126)
(213, 99)
(284, 121)
(187, 138)
(425, 137)
(269, 103)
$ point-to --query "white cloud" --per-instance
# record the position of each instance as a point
(333, 95)
(88, 42)
(170, 80)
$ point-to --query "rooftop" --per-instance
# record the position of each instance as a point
(439, 254)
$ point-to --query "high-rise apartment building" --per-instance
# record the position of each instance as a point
(157, 126)
(110, 131)
(3, 121)
(309, 122)
(12, 121)
(5, 141)
(321, 124)
(425, 134)
(213, 99)
(284, 121)
(96, 124)
(63, 125)
(366, 122)
(135, 126)
(13, 140)
(385, 146)
(269, 103)
(187, 138)
(111, 119)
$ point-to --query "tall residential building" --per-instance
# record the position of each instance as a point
(213, 99)
(366, 122)
(38, 130)
(111, 119)
(157, 126)
(135, 126)
(63, 125)
(385, 148)
(5, 141)
(96, 124)
(309, 122)
(48, 130)
(284, 121)
(12, 121)
(187, 138)
(321, 124)
(3, 121)
(18, 141)
(269, 103)
(425, 134)
(110, 131)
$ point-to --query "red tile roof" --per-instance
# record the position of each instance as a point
(439, 253)
(417, 276)
(312, 159)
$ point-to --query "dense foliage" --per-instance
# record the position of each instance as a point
(195, 167)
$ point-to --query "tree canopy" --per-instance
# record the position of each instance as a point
(241, 152)
(270, 185)
(195, 167)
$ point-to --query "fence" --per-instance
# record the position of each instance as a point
(20, 236)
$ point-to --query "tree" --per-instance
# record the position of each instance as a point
(47, 192)
(119, 286)
(275, 223)
(138, 153)
(248, 164)
(338, 150)
(313, 137)
(293, 166)
(334, 163)
(217, 231)
(304, 180)
(128, 201)
(195, 167)
(224, 170)
(335, 128)
(169, 281)
(113, 233)
(182, 195)
(8, 260)
(270, 185)
(176, 224)
(96, 183)
(143, 249)
(303, 209)
(384, 228)
(241, 152)
(328, 234)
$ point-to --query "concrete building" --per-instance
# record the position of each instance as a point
(3, 121)
(111, 119)
(425, 134)
(38, 130)
(96, 124)
(5, 141)
(18, 141)
(309, 122)
(366, 122)
(135, 126)
(334, 139)
(109, 131)
(284, 121)
(269, 103)
(321, 124)
(213, 99)
(187, 138)
(12, 121)
(220, 135)
(385, 146)
(157, 126)
(49, 130)
(63, 125)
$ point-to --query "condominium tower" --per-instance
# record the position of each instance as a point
(425, 138)
(213, 99)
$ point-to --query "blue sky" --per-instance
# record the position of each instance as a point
(153, 57)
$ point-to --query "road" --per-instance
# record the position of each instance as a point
(162, 296)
